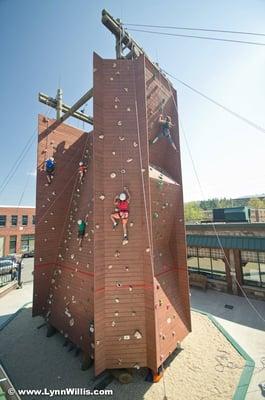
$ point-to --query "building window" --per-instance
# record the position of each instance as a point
(12, 244)
(253, 268)
(206, 261)
(33, 219)
(24, 220)
(2, 220)
(14, 220)
(27, 243)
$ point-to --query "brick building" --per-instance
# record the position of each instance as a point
(244, 247)
(17, 227)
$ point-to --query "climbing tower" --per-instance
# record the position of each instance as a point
(125, 306)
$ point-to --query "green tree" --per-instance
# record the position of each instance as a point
(193, 212)
(255, 202)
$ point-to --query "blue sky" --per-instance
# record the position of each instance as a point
(47, 42)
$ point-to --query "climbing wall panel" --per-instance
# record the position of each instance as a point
(173, 322)
(62, 280)
(120, 271)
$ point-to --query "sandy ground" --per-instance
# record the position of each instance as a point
(208, 367)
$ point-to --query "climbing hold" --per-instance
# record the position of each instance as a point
(163, 337)
(51, 213)
(114, 153)
(157, 286)
(117, 300)
(173, 333)
(161, 357)
(137, 366)
(113, 324)
(72, 256)
(117, 73)
(130, 288)
(53, 281)
(126, 337)
(87, 266)
(131, 224)
(97, 226)
(143, 170)
(118, 284)
(43, 205)
(113, 175)
(45, 240)
(97, 342)
(155, 215)
(123, 171)
(126, 89)
(54, 193)
(117, 254)
(111, 79)
(168, 306)
(135, 144)
(45, 221)
(110, 266)
(127, 269)
(116, 313)
(121, 138)
(133, 313)
(67, 313)
(128, 109)
(114, 65)
(147, 250)
(117, 100)
(94, 69)
(160, 303)
(137, 335)
(40, 259)
(102, 197)
(119, 123)
(72, 322)
(101, 137)
(129, 160)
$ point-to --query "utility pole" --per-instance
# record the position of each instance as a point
(59, 99)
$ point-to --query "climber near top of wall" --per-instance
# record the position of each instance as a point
(81, 171)
(121, 203)
(165, 124)
(49, 167)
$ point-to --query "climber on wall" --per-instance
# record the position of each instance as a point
(121, 203)
(81, 171)
(82, 223)
(165, 124)
(49, 168)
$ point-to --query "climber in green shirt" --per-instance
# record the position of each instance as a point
(81, 229)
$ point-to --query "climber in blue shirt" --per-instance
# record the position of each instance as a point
(50, 169)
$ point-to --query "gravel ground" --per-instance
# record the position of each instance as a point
(208, 367)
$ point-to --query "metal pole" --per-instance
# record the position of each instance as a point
(19, 281)
(59, 99)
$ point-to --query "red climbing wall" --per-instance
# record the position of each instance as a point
(136, 295)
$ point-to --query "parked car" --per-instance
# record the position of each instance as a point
(29, 253)
(8, 265)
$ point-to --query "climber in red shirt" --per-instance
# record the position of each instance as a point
(121, 203)
(81, 171)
